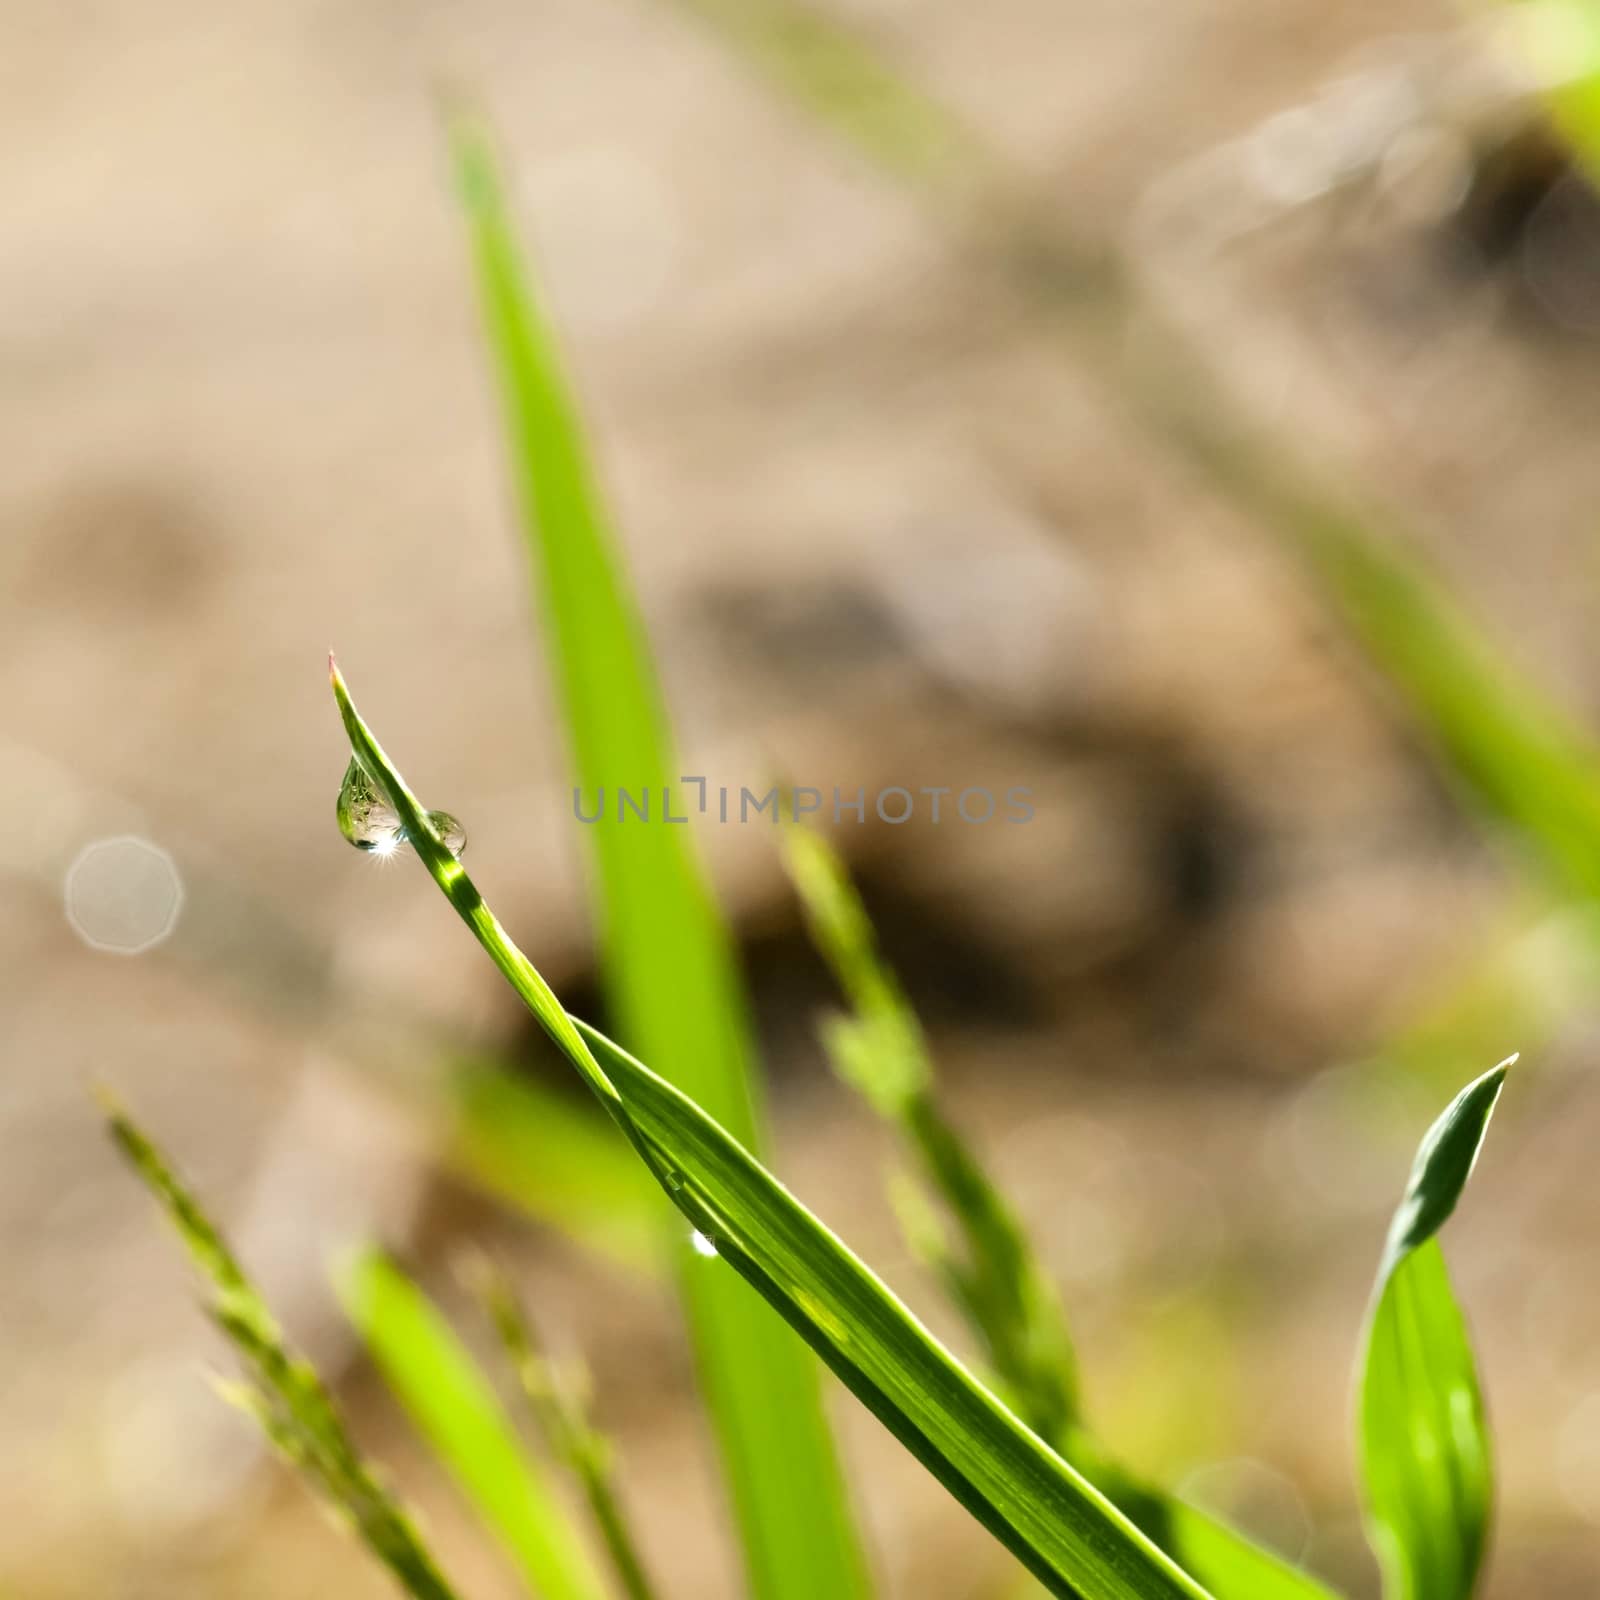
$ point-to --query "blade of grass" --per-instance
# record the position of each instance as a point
(563, 1420)
(1055, 1522)
(1424, 1443)
(282, 1390)
(455, 1409)
(996, 1280)
(668, 959)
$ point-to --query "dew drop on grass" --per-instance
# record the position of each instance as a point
(702, 1245)
(369, 822)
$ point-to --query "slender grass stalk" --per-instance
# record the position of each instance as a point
(667, 956)
(880, 1050)
(1425, 1453)
(996, 1280)
(1066, 1533)
(554, 1399)
(281, 1389)
(455, 1408)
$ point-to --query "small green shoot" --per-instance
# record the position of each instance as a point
(281, 1389)
(1424, 1443)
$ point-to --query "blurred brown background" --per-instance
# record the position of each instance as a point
(885, 532)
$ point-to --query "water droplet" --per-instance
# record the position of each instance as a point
(702, 1245)
(369, 822)
(449, 830)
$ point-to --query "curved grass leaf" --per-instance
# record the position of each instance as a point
(668, 960)
(455, 1409)
(996, 1280)
(1051, 1518)
(282, 1390)
(1424, 1443)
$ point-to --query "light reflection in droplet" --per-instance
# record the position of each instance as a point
(702, 1246)
(369, 822)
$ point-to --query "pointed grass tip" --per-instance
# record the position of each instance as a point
(109, 1102)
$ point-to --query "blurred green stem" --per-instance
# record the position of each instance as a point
(1520, 758)
(563, 1420)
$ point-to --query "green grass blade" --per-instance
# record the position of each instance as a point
(554, 1399)
(457, 1412)
(1424, 1443)
(1055, 1522)
(996, 1279)
(281, 1389)
(668, 959)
